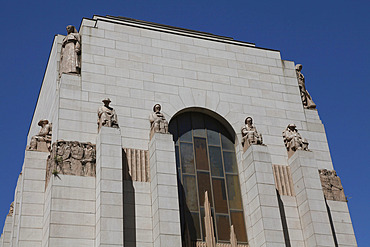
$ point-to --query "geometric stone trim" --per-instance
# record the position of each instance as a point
(204, 244)
(136, 165)
(332, 186)
(71, 158)
(283, 180)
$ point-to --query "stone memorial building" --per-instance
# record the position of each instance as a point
(147, 135)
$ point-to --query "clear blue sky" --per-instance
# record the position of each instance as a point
(330, 38)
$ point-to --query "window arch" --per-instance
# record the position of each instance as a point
(206, 161)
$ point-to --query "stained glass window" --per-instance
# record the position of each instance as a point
(206, 161)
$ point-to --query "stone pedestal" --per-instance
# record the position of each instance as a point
(310, 200)
(109, 188)
(165, 202)
(260, 201)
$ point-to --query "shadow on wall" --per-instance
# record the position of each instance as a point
(129, 217)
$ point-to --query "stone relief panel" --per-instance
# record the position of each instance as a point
(136, 165)
(70, 56)
(332, 186)
(250, 135)
(293, 140)
(107, 115)
(71, 158)
(283, 180)
(158, 123)
(305, 96)
(42, 141)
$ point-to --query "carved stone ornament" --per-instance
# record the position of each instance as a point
(293, 140)
(107, 115)
(158, 122)
(305, 96)
(250, 134)
(208, 223)
(332, 186)
(11, 209)
(42, 141)
(70, 57)
(71, 158)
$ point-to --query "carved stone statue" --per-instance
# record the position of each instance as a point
(41, 141)
(250, 134)
(72, 158)
(332, 186)
(293, 140)
(107, 115)
(305, 96)
(70, 57)
(158, 122)
(11, 209)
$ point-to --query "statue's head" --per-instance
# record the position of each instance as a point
(106, 101)
(292, 126)
(248, 121)
(43, 122)
(157, 108)
(71, 29)
(298, 67)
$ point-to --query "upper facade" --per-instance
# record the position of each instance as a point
(138, 64)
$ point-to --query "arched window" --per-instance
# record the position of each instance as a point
(206, 161)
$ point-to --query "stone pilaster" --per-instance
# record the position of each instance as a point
(310, 200)
(341, 223)
(31, 202)
(165, 202)
(109, 188)
(260, 201)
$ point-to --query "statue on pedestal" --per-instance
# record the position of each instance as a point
(107, 115)
(293, 140)
(158, 122)
(70, 57)
(305, 96)
(42, 141)
(250, 134)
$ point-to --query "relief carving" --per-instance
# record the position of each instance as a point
(71, 158)
(332, 186)
(250, 134)
(42, 141)
(305, 96)
(158, 122)
(70, 57)
(293, 140)
(107, 115)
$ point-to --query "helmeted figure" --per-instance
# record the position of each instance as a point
(107, 115)
(158, 122)
(70, 57)
(88, 161)
(44, 136)
(305, 96)
(293, 140)
(250, 134)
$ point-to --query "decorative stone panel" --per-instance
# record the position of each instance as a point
(332, 186)
(136, 165)
(283, 180)
(71, 158)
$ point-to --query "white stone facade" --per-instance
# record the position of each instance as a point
(138, 64)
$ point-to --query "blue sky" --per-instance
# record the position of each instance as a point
(330, 38)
